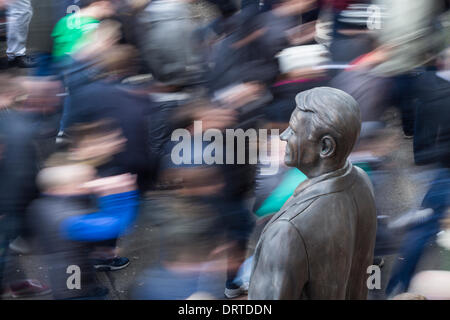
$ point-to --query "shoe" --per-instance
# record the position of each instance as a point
(443, 239)
(408, 136)
(20, 246)
(233, 290)
(26, 289)
(22, 62)
(411, 218)
(62, 140)
(111, 264)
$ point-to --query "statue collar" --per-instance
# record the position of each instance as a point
(327, 183)
(310, 189)
(307, 184)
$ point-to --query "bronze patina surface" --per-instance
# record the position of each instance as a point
(320, 244)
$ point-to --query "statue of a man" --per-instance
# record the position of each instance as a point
(320, 244)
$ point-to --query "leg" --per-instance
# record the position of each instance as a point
(407, 99)
(437, 198)
(19, 17)
(239, 225)
(411, 252)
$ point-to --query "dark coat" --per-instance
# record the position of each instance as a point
(46, 215)
(432, 124)
(321, 243)
(26, 139)
(134, 113)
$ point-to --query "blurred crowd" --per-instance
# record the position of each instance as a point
(87, 116)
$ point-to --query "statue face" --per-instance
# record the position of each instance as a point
(302, 151)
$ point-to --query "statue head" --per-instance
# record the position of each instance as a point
(322, 132)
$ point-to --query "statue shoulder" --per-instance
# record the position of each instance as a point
(294, 207)
(364, 178)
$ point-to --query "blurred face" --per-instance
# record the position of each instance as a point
(302, 151)
(99, 147)
(12, 89)
(104, 9)
(4, 3)
(66, 179)
(81, 175)
(43, 94)
(6, 100)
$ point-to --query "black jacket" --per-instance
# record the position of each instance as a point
(432, 127)
(134, 113)
(27, 139)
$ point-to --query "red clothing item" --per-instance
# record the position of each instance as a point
(336, 4)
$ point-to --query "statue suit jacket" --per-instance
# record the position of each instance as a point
(320, 244)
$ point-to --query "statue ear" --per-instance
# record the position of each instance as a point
(327, 146)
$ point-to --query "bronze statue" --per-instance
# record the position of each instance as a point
(320, 244)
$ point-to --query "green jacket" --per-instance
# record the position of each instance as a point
(69, 34)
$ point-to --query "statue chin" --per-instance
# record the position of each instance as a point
(288, 162)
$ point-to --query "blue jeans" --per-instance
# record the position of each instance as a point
(74, 74)
(438, 199)
(19, 16)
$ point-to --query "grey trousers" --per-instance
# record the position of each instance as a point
(19, 15)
